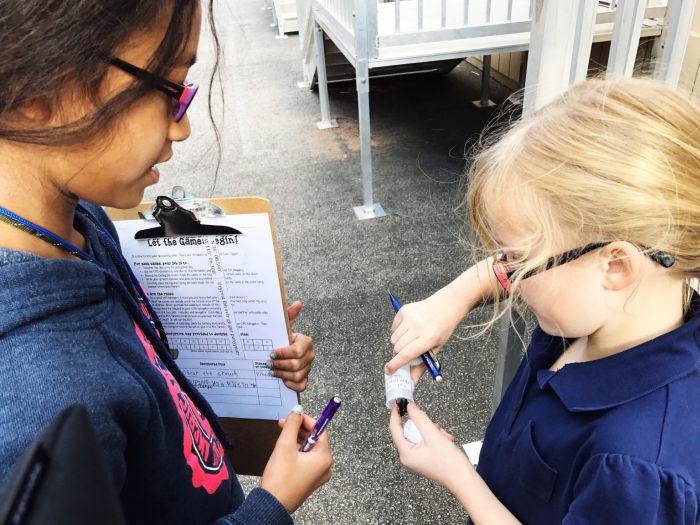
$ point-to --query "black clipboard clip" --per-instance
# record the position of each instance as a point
(176, 221)
(202, 208)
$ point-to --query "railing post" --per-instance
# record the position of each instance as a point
(420, 14)
(509, 354)
(625, 40)
(372, 27)
(397, 16)
(583, 41)
(485, 80)
(484, 101)
(551, 51)
(366, 47)
(679, 16)
(306, 37)
(274, 15)
(326, 121)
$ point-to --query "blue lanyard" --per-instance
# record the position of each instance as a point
(47, 236)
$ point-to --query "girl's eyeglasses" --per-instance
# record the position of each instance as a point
(182, 93)
(504, 272)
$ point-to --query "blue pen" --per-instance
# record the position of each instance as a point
(428, 358)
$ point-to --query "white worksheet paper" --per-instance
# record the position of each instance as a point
(219, 300)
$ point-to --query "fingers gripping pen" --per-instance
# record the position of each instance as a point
(321, 424)
(431, 363)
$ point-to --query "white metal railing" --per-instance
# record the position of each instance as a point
(461, 10)
(405, 22)
(340, 18)
(421, 21)
(342, 11)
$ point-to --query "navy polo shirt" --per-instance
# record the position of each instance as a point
(616, 440)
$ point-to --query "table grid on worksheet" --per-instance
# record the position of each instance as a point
(271, 394)
(219, 344)
(201, 344)
(257, 345)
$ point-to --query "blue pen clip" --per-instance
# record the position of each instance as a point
(428, 357)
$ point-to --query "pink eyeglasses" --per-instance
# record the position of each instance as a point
(182, 93)
(504, 272)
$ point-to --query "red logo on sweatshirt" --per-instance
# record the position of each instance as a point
(202, 449)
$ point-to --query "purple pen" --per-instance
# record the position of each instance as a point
(321, 424)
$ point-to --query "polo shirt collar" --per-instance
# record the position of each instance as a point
(625, 376)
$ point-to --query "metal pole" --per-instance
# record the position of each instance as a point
(274, 15)
(680, 16)
(583, 41)
(365, 29)
(420, 15)
(485, 80)
(326, 122)
(626, 31)
(397, 16)
(484, 102)
(362, 83)
(508, 356)
(551, 52)
(523, 70)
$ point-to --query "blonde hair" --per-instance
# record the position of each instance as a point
(608, 160)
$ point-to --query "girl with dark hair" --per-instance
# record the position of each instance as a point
(94, 95)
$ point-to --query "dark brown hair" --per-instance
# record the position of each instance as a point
(49, 45)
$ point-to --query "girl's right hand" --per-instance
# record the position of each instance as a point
(291, 476)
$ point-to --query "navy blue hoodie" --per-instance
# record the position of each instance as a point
(66, 336)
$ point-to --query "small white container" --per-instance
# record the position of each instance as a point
(399, 385)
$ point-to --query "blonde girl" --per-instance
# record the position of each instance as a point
(589, 212)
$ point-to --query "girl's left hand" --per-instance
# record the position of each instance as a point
(436, 457)
(293, 363)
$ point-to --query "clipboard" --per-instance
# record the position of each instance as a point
(254, 439)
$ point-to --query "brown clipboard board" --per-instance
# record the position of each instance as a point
(253, 439)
